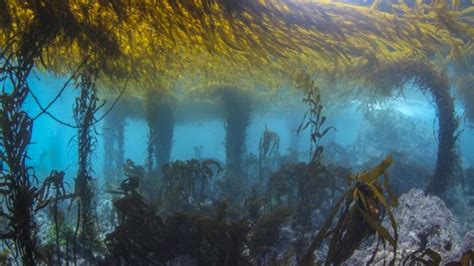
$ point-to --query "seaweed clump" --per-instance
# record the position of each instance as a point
(364, 207)
(186, 184)
(143, 237)
(138, 233)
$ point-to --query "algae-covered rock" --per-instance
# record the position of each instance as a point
(424, 221)
(468, 243)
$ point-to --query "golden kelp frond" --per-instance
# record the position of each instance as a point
(394, 75)
(206, 41)
(463, 77)
(465, 89)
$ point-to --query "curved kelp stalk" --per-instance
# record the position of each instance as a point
(237, 106)
(361, 212)
(86, 106)
(428, 79)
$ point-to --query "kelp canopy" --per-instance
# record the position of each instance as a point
(199, 42)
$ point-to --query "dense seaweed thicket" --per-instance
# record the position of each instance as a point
(144, 59)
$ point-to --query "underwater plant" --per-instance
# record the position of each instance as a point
(431, 257)
(48, 23)
(22, 195)
(165, 121)
(364, 206)
(142, 237)
(114, 150)
(463, 77)
(138, 234)
(20, 53)
(313, 118)
(232, 188)
(269, 145)
(237, 106)
(17, 182)
(55, 182)
(424, 75)
(265, 234)
(214, 238)
(185, 183)
(86, 106)
(160, 119)
(424, 257)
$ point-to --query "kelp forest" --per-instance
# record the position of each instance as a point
(237, 132)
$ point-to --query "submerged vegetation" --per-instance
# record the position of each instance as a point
(269, 145)
(17, 186)
(160, 119)
(428, 79)
(238, 55)
(85, 109)
(363, 208)
(237, 111)
(114, 144)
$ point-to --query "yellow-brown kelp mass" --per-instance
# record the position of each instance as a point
(212, 40)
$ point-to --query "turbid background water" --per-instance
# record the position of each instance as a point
(54, 144)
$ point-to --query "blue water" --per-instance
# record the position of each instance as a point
(54, 145)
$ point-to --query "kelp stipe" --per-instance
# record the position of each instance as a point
(17, 184)
(86, 106)
(393, 76)
(159, 115)
(237, 108)
(361, 212)
(114, 144)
